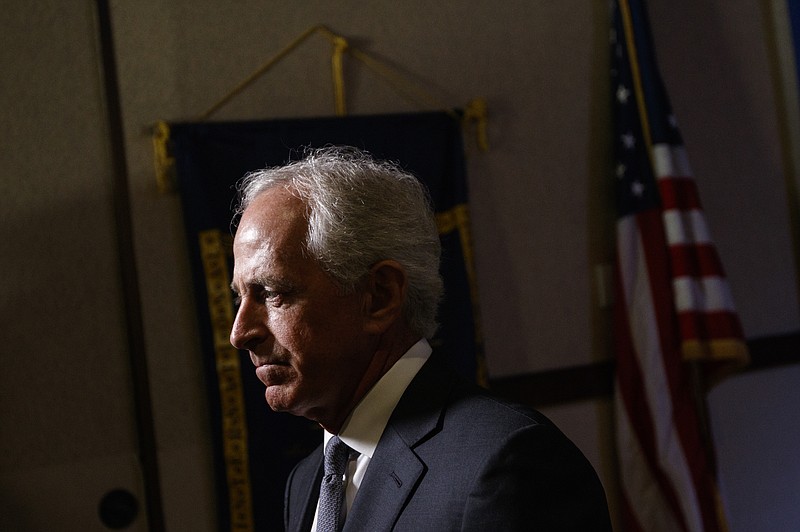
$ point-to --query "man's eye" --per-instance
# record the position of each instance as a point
(260, 294)
(271, 296)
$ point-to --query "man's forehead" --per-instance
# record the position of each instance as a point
(273, 214)
(275, 203)
(262, 260)
(271, 233)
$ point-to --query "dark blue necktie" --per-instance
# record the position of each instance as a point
(331, 493)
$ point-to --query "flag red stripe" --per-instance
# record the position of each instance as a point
(709, 325)
(629, 521)
(658, 265)
(630, 376)
(630, 385)
(694, 450)
(679, 193)
(695, 260)
(680, 301)
(683, 415)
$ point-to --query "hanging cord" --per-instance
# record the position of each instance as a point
(260, 71)
(340, 46)
(475, 112)
(399, 83)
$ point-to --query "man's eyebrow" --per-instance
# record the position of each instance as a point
(271, 281)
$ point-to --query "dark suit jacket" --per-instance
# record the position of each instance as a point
(454, 458)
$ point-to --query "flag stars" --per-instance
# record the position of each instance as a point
(637, 188)
(621, 169)
(628, 141)
(623, 94)
(673, 122)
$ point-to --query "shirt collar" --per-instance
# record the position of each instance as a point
(365, 424)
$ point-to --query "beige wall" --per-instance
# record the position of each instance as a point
(65, 389)
(540, 209)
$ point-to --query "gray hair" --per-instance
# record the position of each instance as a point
(361, 211)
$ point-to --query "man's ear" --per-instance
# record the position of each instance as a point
(386, 293)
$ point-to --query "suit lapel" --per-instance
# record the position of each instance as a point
(305, 493)
(395, 469)
(392, 474)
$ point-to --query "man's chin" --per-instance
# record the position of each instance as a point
(275, 399)
(279, 401)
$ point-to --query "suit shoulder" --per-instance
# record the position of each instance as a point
(438, 399)
(481, 406)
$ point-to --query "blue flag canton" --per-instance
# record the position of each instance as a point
(636, 188)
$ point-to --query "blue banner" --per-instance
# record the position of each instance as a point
(256, 448)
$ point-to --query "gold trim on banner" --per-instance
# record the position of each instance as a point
(234, 420)
(477, 112)
(454, 219)
(163, 158)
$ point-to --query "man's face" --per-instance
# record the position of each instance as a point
(305, 338)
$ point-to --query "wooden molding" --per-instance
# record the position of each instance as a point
(591, 381)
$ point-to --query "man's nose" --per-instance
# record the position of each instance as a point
(250, 325)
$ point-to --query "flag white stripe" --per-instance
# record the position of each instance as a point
(652, 511)
(671, 161)
(708, 294)
(686, 227)
(645, 338)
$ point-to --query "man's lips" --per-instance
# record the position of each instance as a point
(271, 373)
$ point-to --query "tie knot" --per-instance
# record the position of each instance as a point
(336, 455)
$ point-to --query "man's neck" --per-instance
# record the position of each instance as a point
(389, 349)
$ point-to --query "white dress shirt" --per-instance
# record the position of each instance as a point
(364, 426)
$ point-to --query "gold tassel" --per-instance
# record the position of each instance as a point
(163, 159)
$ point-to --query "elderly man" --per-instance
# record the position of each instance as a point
(336, 263)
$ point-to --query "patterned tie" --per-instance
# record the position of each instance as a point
(331, 493)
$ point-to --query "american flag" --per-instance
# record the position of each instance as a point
(673, 312)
